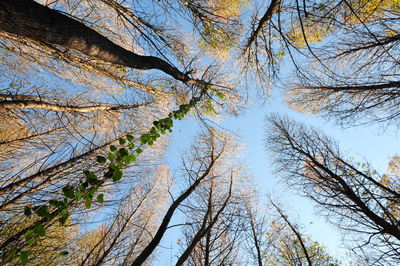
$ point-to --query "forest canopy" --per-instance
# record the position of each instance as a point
(92, 91)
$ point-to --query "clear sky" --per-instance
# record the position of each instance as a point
(363, 142)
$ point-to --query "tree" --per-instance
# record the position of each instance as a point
(352, 196)
(88, 86)
(205, 157)
(63, 244)
(350, 78)
(213, 226)
(272, 238)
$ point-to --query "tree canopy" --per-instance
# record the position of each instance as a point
(89, 89)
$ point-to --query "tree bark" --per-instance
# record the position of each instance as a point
(30, 104)
(28, 19)
(357, 88)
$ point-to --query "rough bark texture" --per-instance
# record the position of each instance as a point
(28, 19)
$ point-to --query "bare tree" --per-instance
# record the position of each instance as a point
(204, 160)
(353, 197)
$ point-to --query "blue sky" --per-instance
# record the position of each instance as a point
(364, 142)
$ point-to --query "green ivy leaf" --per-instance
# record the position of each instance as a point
(69, 192)
(139, 150)
(144, 138)
(39, 230)
(92, 191)
(88, 203)
(111, 156)
(126, 159)
(132, 157)
(29, 234)
(100, 198)
(117, 175)
(113, 148)
(42, 211)
(122, 141)
(129, 137)
(90, 176)
(131, 146)
(78, 196)
(23, 257)
(31, 241)
(101, 159)
(64, 215)
(55, 203)
(122, 152)
(63, 219)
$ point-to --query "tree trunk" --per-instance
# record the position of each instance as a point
(28, 19)
(29, 104)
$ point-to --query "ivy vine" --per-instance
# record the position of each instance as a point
(116, 159)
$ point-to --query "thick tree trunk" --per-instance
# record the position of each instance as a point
(28, 19)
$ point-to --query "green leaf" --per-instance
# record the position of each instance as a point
(23, 257)
(69, 192)
(144, 138)
(113, 167)
(27, 211)
(91, 177)
(113, 148)
(131, 146)
(123, 152)
(84, 185)
(92, 191)
(132, 157)
(101, 159)
(64, 215)
(139, 150)
(129, 137)
(29, 234)
(117, 175)
(100, 198)
(78, 196)
(111, 156)
(88, 203)
(42, 211)
(126, 159)
(39, 230)
(122, 141)
(31, 241)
